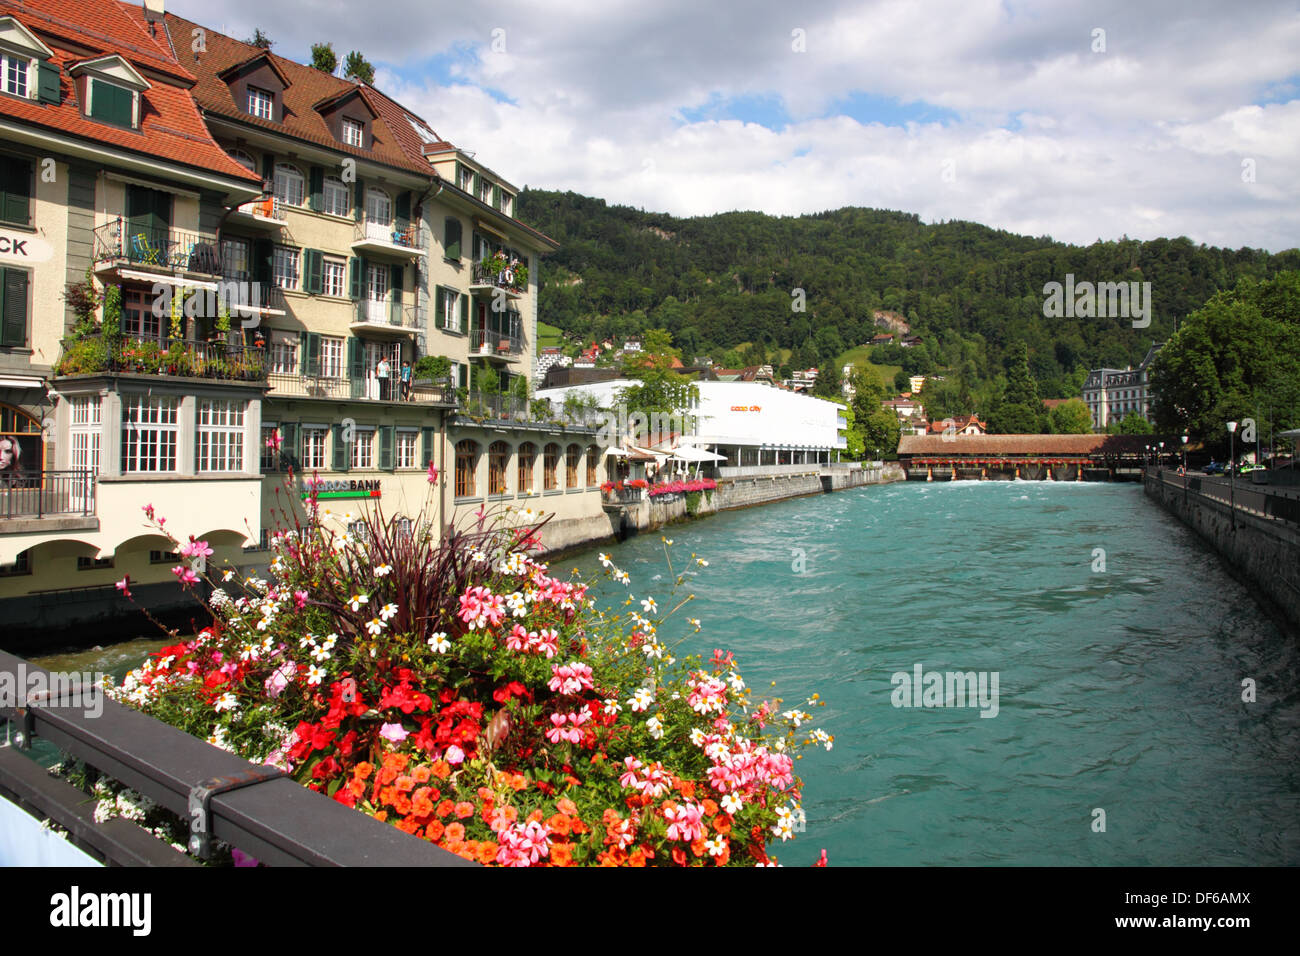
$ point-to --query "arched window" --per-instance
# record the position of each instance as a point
(288, 184)
(241, 157)
(593, 458)
(527, 465)
(379, 208)
(498, 457)
(337, 197)
(550, 460)
(572, 457)
(466, 465)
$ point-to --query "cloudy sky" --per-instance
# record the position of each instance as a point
(1078, 119)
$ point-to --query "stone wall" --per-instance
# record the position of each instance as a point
(1261, 552)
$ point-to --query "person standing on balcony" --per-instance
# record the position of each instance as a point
(406, 381)
(382, 372)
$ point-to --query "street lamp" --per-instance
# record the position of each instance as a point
(1184, 468)
(1232, 477)
(1162, 454)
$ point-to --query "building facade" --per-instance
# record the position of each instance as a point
(1113, 394)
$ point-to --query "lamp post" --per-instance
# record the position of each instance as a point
(1232, 478)
(1162, 454)
(1184, 469)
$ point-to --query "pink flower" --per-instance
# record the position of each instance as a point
(454, 755)
(570, 678)
(185, 575)
(518, 638)
(196, 549)
(393, 732)
(243, 859)
(685, 822)
(433, 473)
(275, 441)
(556, 733)
(124, 585)
(300, 599)
(148, 511)
(279, 680)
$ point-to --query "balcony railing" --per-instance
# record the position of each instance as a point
(389, 314)
(175, 250)
(268, 208)
(388, 234)
(491, 342)
(162, 356)
(498, 277)
(37, 494)
(354, 387)
(237, 288)
(496, 407)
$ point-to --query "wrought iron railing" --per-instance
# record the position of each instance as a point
(390, 314)
(501, 278)
(37, 494)
(166, 249)
(373, 230)
(355, 386)
(162, 356)
(492, 342)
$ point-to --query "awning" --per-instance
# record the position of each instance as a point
(164, 279)
(691, 453)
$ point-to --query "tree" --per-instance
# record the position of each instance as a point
(358, 67)
(1020, 411)
(660, 391)
(1133, 424)
(902, 381)
(1070, 418)
(323, 57)
(260, 40)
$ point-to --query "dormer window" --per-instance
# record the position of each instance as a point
(466, 180)
(485, 191)
(354, 133)
(112, 103)
(261, 103)
(25, 67)
(14, 71)
(110, 90)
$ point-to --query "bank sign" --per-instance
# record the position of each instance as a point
(345, 489)
(23, 247)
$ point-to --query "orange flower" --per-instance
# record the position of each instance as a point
(381, 816)
(566, 806)
(421, 773)
(722, 824)
(610, 817)
(698, 848)
(387, 775)
(446, 808)
(487, 852)
(455, 832)
(434, 831)
(465, 850)
(464, 809)
(559, 823)
(486, 794)
(577, 826)
(686, 788)
(362, 770)
(561, 854)
(535, 816)
(725, 857)
(421, 803)
(518, 782)
(636, 857)
(408, 825)
(708, 806)
(405, 783)
(441, 769)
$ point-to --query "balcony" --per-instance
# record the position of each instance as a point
(490, 342)
(163, 356)
(496, 407)
(381, 315)
(496, 273)
(243, 296)
(144, 253)
(385, 238)
(353, 387)
(43, 494)
(267, 213)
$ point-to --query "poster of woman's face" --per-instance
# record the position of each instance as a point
(19, 453)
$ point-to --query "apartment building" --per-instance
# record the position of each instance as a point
(1112, 394)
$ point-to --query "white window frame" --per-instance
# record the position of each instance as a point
(244, 159)
(451, 311)
(85, 431)
(379, 207)
(285, 271)
(16, 63)
(332, 360)
(269, 455)
(405, 450)
(284, 353)
(313, 448)
(377, 282)
(150, 433)
(289, 185)
(220, 435)
(337, 197)
(363, 448)
(263, 105)
(354, 133)
(334, 277)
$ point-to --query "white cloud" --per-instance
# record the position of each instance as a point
(1047, 136)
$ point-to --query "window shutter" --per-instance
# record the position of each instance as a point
(13, 328)
(386, 434)
(439, 308)
(290, 453)
(478, 184)
(402, 210)
(302, 353)
(15, 190)
(395, 300)
(460, 174)
(451, 238)
(47, 82)
(355, 358)
(426, 443)
(359, 201)
(464, 313)
(313, 269)
(268, 167)
(316, 176)
(311, 357)
(340, 451)
(354, 278)
(496, 196)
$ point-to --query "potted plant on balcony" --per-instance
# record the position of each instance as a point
(431, 370)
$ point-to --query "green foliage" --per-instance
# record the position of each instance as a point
(486, 380)
(1072, 418)
(358, 67)
(1020, 410)
(1133, 424)
(660, 389)
(1237, 357)
(433, 367)
(260, 40)
(324, 58)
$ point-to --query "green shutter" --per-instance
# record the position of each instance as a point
(359, 201)
(302, 353)
(13, 291)
(47, 82)
(402, 210)
(111, 104)
(386, 435)
(313, 271)
(340, 451)
(496, 196)
(316, 180)
(395, 299)
(15, 190)
(354, 278)
(460, 174)
(464, 313)
(290, 452)
(311, 357)
(451, 238)
(478, 183)
(439, 308)
(426, 444)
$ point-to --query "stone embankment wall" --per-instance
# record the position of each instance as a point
(1263, 553)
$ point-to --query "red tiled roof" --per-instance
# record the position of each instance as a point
(171, 127)
(393, 141)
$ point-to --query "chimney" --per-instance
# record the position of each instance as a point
(153, 10)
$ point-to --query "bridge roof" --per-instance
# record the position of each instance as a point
(952, 446)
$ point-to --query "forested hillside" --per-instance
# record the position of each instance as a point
(969, 291)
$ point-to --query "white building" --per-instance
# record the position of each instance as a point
(1113, 394)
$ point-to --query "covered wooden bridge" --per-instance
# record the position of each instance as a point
(1032, 457)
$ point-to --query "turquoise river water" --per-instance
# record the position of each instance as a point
(1119, 672)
